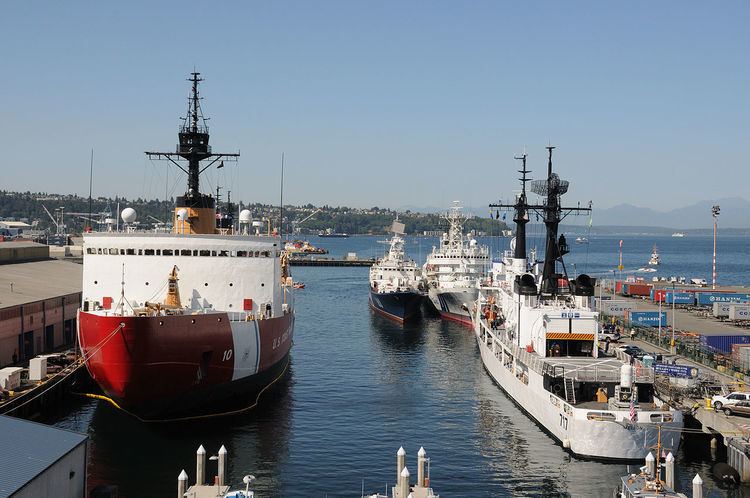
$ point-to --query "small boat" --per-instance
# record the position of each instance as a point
(655, 258)
(298, 285)
(582, 240)
(302, 247)
(678, 234)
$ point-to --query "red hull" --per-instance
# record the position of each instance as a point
(175, 364)
(462, 319)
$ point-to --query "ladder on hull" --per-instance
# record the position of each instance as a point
(570, 393)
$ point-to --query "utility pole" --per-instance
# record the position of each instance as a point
(715, 213)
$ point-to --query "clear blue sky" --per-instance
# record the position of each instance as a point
(383, 103)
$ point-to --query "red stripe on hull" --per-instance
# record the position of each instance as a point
(386, 314)
(464, 320)
(153, 363)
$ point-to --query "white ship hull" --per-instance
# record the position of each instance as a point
(454, 304)
(570, 426)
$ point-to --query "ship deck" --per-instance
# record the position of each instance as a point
(587, 369)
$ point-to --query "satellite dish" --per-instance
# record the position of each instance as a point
(246, 216)
(128, 215)
(248, 479)
(182, 214)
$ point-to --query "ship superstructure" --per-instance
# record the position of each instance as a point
(537, 333)
(176, 324)
(453, 270)
(655, 259)
(395, 282)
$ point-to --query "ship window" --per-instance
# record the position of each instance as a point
(205, 253)
(140, 252)
(241, 254)
(195, 252)
(122, 252)
(233, 254)
(113, 251)
(148, 252)
(99, 251)
(223, 253)
(257, 254)
(167, 252)
(185, 252)
(600, 416)
(213, 253)
(158, 252)
(89, 251)
(130, 252)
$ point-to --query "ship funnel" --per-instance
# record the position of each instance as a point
(626, 376)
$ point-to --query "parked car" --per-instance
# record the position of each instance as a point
(612, 334)
(720, 400)
(738, 408)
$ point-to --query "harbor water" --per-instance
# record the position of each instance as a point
(360, 386)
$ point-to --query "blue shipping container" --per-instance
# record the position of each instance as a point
(709, 298)
(648, 318)
(724, 343)
(679, 298)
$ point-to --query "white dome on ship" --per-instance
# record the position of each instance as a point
(128, 215)
(473, 242)
(182, 214)
(246, 216)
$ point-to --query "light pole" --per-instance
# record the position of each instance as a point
(715, 213)
(671, 344)
(661, 298)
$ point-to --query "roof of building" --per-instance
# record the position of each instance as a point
(38, 280)
(20, 244)
(15, 224)
(28, 449)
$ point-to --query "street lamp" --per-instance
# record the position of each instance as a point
(715, 213)
(671, 344)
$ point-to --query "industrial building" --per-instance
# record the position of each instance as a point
(39, 460)
(39, 298)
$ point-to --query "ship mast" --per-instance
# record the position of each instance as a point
(552, 212)
(193, 147)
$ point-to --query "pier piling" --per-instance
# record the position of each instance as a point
(651, 464)
(200, 466)
(669, 477)
(222, 466)
(182, 484)
(697, 486)
(420, 466)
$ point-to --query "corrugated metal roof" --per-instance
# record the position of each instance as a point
(28, 448)
(38, 280)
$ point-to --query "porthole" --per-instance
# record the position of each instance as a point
(192, 321)
(262, 284)
(231, 284)
(205, 284)
(218, 319)
(146, 283)
(230, 305)
(161, 322)
(96, 282)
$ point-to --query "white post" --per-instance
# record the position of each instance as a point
(651, 464)
(403, 487)
(420, 466)
(200, 466)
(669, 477)
(661, 298)
(182, 484)
(697, 486)
(222, 466)
(400, 463)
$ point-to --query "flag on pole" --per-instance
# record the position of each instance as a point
(633, 413)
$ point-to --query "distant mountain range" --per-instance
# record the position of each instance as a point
(735, 213)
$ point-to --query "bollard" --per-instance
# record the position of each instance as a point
(697, 486)
(182, 484)
(403, 487)
(222, 466)
(714, 443)
(420, 466)
(669, 477)
(400, 462)
(651, 464)
(200, 466)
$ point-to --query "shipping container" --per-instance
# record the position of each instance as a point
(641, 290)
(739, 312)
(618, 287)
(624, 289)
(709, 298)
(679, 298)
(615, 307)
(647, 318)
(724, 343)
(721, 310)
(659, 295)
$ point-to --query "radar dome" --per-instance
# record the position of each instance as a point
(245, 216)
(473, 242)
(129, 215)
(182, 214)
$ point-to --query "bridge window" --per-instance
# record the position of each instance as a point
(241, 254)
(113, 252)
(204, 252)
(167, 252)
(185, 252)
(148, 252)
(130, 252)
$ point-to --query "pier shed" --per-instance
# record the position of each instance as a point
(39, 460)
(38, 303)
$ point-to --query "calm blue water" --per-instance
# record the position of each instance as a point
(360, 386)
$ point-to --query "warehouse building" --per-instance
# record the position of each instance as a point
(39, 298)
(39, 460)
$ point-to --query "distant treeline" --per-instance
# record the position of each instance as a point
(28, 206)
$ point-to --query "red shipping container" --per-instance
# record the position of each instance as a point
(660, 295)
(639, 290)
(618, 286)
